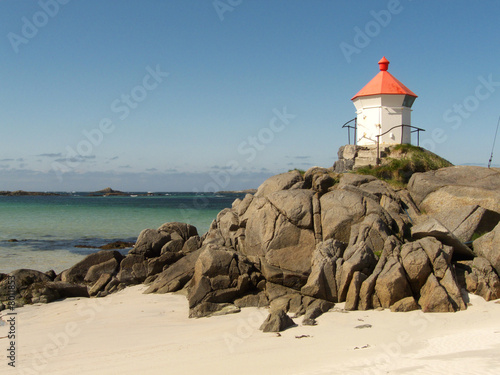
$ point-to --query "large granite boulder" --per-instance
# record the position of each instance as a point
(175, 276)
(133, 269)
(433, 228)
(280, 238)
(277, 321)
(405, 305)
(18, 281)
(320, 179)
(100, 284)
(466, 221)
(488, 246)
(169, 237)
(368, 298)
(295, 206)
(479, 277)
(150, 242)
(207, 309)
(186, 231)
(392, 284)
(47, 292)
(159, 264)
(220, 276)
(314, 309)
(416, 263)
(158, 249)
(352, 298)
(355, 179)
(283, 181)
(357, 257)
(94, 272)
(433, 297)
(434, 278)
(321, 282)
(78, 273)
(342, 209)
(372, 230)
(449, 188)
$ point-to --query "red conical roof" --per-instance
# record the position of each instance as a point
(384, 83)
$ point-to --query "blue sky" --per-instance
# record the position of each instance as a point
(216, 95)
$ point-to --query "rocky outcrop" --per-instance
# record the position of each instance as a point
(341, 241)
(30, 286)
(156, 250)
(304, 242)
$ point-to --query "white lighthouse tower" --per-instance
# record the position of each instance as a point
(382, 106)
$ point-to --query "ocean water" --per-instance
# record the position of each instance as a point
(47, 228)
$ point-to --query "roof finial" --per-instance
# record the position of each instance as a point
(383, 64)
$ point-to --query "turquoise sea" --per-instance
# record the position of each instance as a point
(47, 228)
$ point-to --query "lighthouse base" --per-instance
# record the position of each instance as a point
(352, 157)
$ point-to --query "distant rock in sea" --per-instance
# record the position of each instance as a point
(107, 192)
(109, 246)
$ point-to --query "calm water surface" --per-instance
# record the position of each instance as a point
(47, 228)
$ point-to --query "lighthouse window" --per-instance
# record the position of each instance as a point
(408, 101)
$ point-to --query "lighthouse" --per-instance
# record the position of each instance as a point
(383, 109)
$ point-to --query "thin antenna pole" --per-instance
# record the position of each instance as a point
(494, 140)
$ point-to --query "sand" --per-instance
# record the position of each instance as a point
(133, 333)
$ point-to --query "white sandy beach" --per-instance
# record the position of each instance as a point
(132, 333)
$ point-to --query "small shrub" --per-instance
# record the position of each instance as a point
(405, 160)
(477, 235)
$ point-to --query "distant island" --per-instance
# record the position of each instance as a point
(23, 193)
(108, 192)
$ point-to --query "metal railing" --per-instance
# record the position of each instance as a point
(417, 130)
(349, 127)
